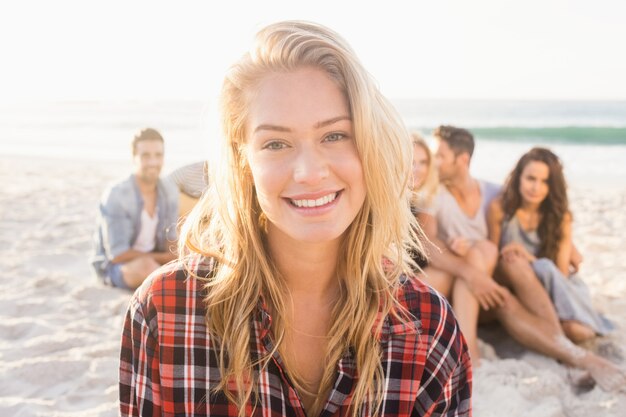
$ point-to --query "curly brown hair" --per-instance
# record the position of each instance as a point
(553, 209)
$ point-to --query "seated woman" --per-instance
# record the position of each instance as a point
(531, 220)
(423, 187)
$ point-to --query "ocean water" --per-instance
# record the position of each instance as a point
(589, 136)
(101, 130)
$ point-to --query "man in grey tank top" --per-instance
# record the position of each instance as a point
(456, 224)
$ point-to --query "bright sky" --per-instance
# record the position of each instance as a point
(535, 49)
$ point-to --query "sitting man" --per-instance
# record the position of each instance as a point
(456, 222)
(137, 219)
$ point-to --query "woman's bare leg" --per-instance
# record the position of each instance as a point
(577, 332)
(540, 335)
(517, 274)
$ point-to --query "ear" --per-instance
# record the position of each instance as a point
(463, 159)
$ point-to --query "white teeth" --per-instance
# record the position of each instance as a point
(315, 203)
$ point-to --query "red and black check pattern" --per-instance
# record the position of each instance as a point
(168, 360)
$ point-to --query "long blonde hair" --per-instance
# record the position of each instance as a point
(227, 224)
(423, 196)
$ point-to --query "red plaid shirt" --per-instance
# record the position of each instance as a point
(168, 361)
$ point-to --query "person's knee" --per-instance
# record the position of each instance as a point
(510, 304)
(147, 265)
(486, 250)
(515, 269)
(439, 280)
(489, 250)
(484, 255)
(137, 270)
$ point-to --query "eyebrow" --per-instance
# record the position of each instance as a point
(318, 125)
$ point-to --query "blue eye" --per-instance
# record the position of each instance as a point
(334, 137)
(274, 145)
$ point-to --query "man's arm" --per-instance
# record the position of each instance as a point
(484, 288)
(129, 255)
(117, 226)
(495, 216)
(163, 257)
(439, 255)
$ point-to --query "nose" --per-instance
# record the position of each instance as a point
(310, 166)
(534, 186)
(153, 160)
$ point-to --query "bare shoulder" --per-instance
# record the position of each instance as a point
(566, 223)
(495, 208)
(568, 218)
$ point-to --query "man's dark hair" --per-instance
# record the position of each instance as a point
(145, 134)
(459, 140)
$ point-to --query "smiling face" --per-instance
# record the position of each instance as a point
(421, 164)
(533, 185)
(303, 158)
(148, 160)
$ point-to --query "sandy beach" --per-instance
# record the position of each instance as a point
(60, 327)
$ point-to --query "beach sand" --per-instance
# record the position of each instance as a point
(60, 327)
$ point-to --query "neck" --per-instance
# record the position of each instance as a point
(529, 207)
(145, 187)
(462, 183)
(309, 269)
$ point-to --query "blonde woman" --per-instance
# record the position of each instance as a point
(293, 295)
(423, 185)
(424, 180)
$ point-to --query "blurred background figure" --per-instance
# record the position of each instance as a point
(136, 223)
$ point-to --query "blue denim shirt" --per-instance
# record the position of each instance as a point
(119, 220)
